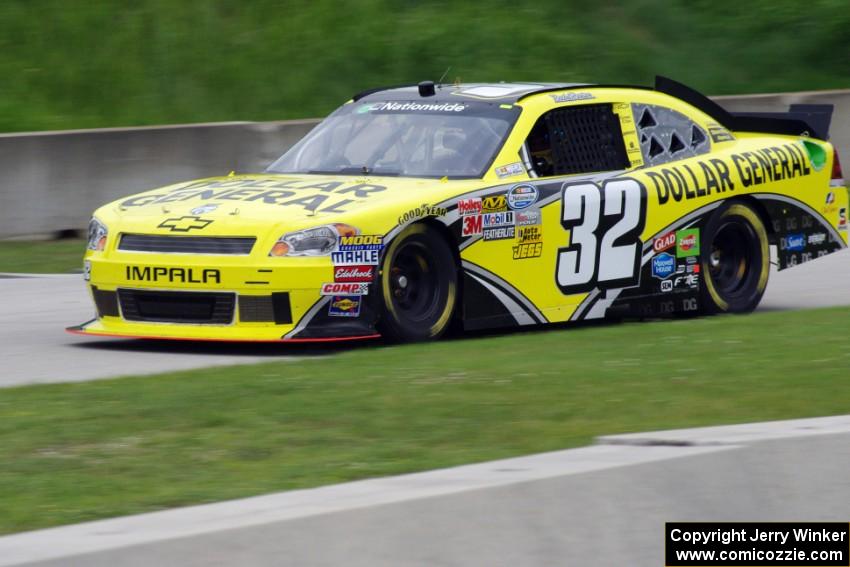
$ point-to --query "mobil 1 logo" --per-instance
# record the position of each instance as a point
(605, 223)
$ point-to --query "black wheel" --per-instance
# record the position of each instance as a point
(418, 286)
(735, 260)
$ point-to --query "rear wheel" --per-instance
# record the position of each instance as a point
(418, 286)
(735, 260)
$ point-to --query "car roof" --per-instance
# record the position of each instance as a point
(497, 92)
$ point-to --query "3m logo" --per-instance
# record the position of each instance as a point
(185, 224)
(472, 225)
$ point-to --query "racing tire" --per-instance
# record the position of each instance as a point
(419, 286)
(734, 259)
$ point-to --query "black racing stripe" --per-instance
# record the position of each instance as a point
(511, 291)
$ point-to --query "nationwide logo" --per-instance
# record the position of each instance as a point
(412, 107)
(185, 224)
(664, 242)
(344, 306)
(468, 207)
(687, 242)
(522, 196)
(208, 208)
(354, 273)
(663, 266)
(355, 257)
(347, 289)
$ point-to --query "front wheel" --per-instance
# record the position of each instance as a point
(418, 286)
(735, 260)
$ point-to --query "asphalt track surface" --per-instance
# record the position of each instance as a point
(34, 312)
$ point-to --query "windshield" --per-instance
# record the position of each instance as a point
(404, 138)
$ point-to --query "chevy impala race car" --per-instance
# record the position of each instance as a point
(414, 209)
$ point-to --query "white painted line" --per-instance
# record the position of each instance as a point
(736, 434)
(7, 275)
(611, 452)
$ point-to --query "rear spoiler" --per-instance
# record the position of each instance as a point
(810, 120)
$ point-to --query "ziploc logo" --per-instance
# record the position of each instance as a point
(663, 266)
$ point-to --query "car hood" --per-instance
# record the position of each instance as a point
(247, 204)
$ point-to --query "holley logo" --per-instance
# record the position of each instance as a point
(353, 273)
(469, 206)
(664, 242)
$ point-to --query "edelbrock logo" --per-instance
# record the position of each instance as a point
(353, 273)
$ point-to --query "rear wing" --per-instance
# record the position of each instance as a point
(810, 120)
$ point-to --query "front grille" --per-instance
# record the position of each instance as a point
(106, 302)
(177, 306)
(265, 308)
(237, 245)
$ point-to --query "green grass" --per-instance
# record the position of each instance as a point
(110, 63)
(75, 452)
(41, 257)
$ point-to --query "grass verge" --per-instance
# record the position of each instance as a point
(75, 452)
(41, 257)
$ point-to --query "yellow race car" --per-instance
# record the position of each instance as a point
(412, 210)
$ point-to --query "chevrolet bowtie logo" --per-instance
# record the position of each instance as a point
(184, 224)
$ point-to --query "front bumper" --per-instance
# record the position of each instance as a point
(218, 299)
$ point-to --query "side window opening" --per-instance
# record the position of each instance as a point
(667, 135)
(576, 139)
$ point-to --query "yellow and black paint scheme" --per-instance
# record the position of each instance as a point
(533, 272)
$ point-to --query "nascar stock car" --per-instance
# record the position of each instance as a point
(414, 209)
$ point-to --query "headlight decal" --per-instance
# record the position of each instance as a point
(97, 235)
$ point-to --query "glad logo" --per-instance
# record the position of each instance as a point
(353, 273)
(468, 206)
(664, 242)
(343, 288)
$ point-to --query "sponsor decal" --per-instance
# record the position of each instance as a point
(500, 233)
(842, 218)
(492, 220)
(689, 281)
(86, 270)
(529, 217)
(345, 288)
(528, 234)
(707, 176)
(354, 273)
(494, 204)
(687, 242)
(666, 285)
(411, 107)
(830, 198)
(171, 275)
(360, 242)
(208, 208)
(422, 211)
(509, 170)
(664, 242)
(525, 251)
(793, 242)
(522, 196)
(472, 225)
(719, 134)
(817, 238)
(693, 268)
(344, 306)
(570, 97)
(355, 257)
(316, 196)
(185, 224)
(663, 265)
(469, 207)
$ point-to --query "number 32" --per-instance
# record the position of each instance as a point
(605, 225)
